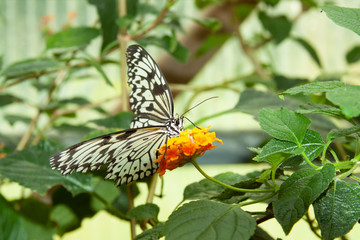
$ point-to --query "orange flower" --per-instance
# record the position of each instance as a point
(190, 144)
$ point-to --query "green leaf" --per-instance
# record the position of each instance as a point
(108, 14)
(284, 124)
(275, 146)
(30, 168)
(106, 190)
(299, 191)
(6, 99)
(206, 189)
(72, 37)
(279, 26)
(12, 119)
(337, 133)
(348, 98)
(205, 3)
(30, 66)
(15, 226)
(312, 52)
(209, 220)
(210, 23)
(231, 196)
(271, 2)
(285, 82)
(251, 101)
(170, 44)
(212, 42)
(154, 233)
(119, 121)
(312, 145)
(11, 224)
(345, 17)
(243, 10)
(314, 87)
(338, 209)
(64, 218)
(353, 55)
(319, 108)
(144, 212)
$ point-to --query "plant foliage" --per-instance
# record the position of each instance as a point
(312, 160)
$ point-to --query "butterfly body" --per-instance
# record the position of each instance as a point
(129, 154)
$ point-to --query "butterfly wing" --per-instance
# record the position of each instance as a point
(150, 99)
(129, 154)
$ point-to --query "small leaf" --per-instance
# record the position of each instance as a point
(212, 42)
(276, 146)
(319, 108)
(284, 82)
(209, 220)
(210, 23)
(243, 10)
(299, 191)
(205, 3)
(314, 87)
(337, 133)
(338, 209)
(154, 233)
(284, 124)
(72, 37)
(279, 26)
(15, 226)
(206, 189)
(144, 212)
(251, 101)
(6, 99)
(345, 17)
(108, 14)
(11, 224)
(312, 52)
(64, 218)
(30, 168)
(12, 119)
(353, 55)
(30, 66)
(348, 98)
(170, 44)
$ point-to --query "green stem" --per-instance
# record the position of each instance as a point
(258, 200)
(193, 161)
(110, 207)
(347, 173)
(323, 158)
(308, 161)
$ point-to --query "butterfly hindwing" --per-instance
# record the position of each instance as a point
(128, 154)
(150, 99)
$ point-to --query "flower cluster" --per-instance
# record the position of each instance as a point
(190, 144)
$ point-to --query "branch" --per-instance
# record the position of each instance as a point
(157, 21)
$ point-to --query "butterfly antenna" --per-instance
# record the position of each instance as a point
(192, 122)
(182, 115)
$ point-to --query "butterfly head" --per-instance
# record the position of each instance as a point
(175, 126)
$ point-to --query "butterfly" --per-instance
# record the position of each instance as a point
(129, 155)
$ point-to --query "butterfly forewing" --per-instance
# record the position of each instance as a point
(150, 99)
(129, 154)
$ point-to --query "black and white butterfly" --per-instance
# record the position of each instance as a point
(129, 155)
